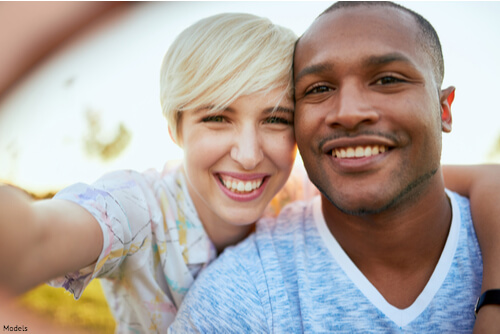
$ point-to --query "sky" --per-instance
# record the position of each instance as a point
(109, 74)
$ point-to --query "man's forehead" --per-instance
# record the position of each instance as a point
(344, 26)
(341, 18)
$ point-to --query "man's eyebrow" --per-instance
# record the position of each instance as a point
(313, 69)
(370, 61)
(387, 59)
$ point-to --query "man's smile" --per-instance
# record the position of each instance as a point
(358, 151)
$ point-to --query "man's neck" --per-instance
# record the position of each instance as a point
(396, 250)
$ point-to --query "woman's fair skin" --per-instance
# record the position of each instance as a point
(236, 160)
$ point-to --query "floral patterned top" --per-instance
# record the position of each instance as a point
(154, 246)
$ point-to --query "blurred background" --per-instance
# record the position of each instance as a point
(79, 91)
(79, 83)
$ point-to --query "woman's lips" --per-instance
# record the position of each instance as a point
(245, 187)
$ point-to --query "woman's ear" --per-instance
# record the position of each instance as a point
(172, 137)
(446, 99)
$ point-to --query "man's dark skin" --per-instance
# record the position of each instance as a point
(369, 86)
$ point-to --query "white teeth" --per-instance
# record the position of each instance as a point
(358, 151)
(248, 186)
(239, 186)
(350, 152)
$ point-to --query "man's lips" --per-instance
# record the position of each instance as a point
(360, 151)
(357, 147)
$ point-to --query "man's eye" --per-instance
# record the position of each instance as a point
(318, 90)
(214, 118)
(278, 120)
(388, 80)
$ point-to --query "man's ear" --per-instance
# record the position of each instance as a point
(446, 99)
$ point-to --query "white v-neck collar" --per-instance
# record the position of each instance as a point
(401, 317)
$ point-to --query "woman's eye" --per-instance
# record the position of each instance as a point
(278, 120)
(387, 80)
(214, 118)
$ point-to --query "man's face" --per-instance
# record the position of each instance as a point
(368, 110)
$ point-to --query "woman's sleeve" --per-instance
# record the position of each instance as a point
(118, 203)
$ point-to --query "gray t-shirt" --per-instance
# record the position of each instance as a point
(292, 276)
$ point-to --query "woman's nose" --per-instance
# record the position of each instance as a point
(247, 149)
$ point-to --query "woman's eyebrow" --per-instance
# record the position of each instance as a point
(279, 109)
(211, 109)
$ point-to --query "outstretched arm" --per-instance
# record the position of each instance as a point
(40, 240)
(481, 184)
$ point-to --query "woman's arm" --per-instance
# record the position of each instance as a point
(481, 184)
(40, 240)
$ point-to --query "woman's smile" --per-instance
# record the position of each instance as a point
(238, 158)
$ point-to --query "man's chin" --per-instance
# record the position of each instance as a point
(360, 210)
(360, 205)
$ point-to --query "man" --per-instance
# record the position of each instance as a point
(384, 248)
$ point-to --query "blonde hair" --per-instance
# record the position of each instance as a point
(222, 57)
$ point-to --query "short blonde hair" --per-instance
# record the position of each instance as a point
(222, 57)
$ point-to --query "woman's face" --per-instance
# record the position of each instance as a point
(236, 160)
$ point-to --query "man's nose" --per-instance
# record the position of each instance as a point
(247, 148)
(351, 108)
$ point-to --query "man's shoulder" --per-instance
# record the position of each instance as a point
(242, 260)
(291, 217)
(226, 296)
(261, 246)
(238, 290)
(467, 244)
(252, 256)
(463, 201)
(460, 206)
